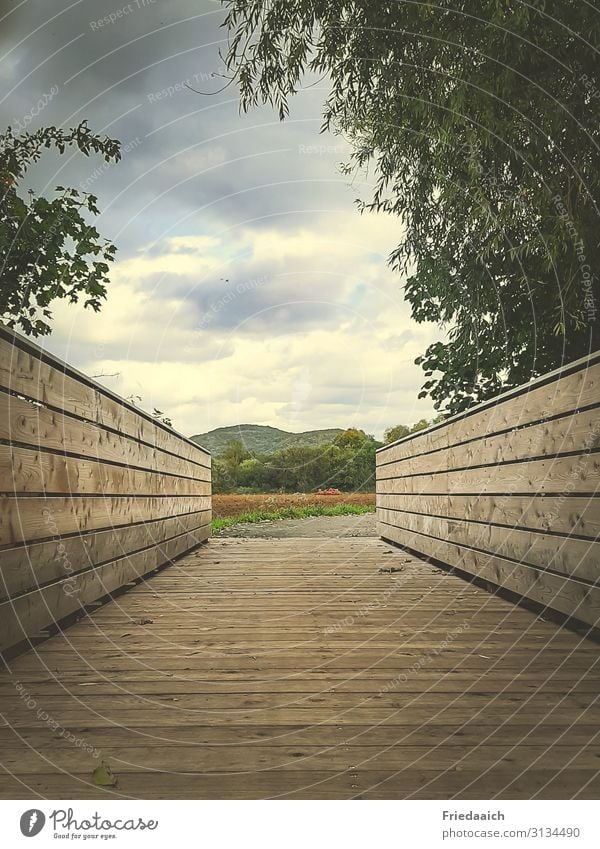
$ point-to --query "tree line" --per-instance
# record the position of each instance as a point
(347, 463)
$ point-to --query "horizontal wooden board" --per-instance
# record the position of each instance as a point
(27, 567)
(25, 615)
(565, 515)
(44, 429)
(576, 474)
(510, 490)
(219, 760)
(559, 396)
(27, 370)
(496, 784)
(572, 433)
(36, 518)
(566, 555)
(25, 470)
(521, 686)
(324, 736)
(571, 597)
(154, 717)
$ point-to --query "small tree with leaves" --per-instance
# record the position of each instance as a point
(48, 250)
(479, 122)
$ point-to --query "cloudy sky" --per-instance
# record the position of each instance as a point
(247, 287)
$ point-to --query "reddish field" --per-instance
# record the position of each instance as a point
(232, 505)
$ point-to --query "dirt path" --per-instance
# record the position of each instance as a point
(315, 526)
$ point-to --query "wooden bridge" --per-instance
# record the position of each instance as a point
(302, 668)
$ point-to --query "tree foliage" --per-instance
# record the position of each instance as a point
(347, 463)
(47, 248)
(402, 430)
(480, 118)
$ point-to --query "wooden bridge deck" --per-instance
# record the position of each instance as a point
(298, 668)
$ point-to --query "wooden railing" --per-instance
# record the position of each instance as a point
(95, 493)
(508, 491)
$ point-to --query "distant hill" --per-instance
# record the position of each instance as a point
(262, 439)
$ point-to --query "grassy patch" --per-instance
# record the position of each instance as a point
(291, 513)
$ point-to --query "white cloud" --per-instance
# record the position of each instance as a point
(322, 339)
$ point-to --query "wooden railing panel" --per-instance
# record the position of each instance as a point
(569, 596)
(33, 518)
(26, 567)
(559, 514)
(37, 471)
(95, 493)
(580, 472)
(508, 491)
(557, 395)
(24, 423)
(565, 555)
(24, 615)
(28, 370)
(558, 436)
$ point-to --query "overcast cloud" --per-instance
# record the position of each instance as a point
(247, 287)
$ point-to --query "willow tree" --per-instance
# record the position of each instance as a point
(480, 120)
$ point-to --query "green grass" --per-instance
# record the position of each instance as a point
(291, 513)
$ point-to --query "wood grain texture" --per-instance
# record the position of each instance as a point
(318, 673)
(513, 481)
(577, 474)
(29, 470)
(31, 519)
(27, 567)
(562, 593)
(95, 493)
(26, 369)
(566, 555)
(558, 513)
(28, 424)
(545, 397)
(566, 435)
(23, 616)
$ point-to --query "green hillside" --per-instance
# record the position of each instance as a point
(261, 439)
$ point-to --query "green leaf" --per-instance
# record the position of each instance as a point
(103, 776)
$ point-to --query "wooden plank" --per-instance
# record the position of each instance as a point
(154, 717)
(566, 555)
(577, 474)
(571, 597)
(569, 434)
(36, 518)
(45, 429)
(532, 403)
(27, 614)
(25, 470)
(564, 514)
(327, 735)
(415, 445)
(26, 369)
(229, 705)
(522, 686)
(27, 567)
(218, 760)
(496, 784)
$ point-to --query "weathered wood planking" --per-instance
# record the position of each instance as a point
(36, 518)
(556, 394)
(95, 492)
(26, 369)
(316, 674)
(81, 551)
(508, 491)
